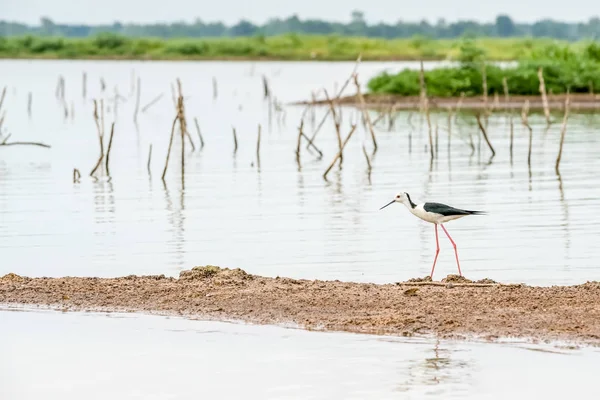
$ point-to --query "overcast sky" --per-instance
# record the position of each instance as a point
(258, 11)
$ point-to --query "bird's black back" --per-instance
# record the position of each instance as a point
(445, 210)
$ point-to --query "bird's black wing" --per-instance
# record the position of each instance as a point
(445, 210)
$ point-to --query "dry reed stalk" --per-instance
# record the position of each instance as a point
(563, 131)
(339, 154)
(339, 94)
(392, 116)
(182, 125)
(102, 115)
(102, 84)
(24, 144)
(29, 101)
(149, 159)
(428, 118)
(524, 113)
(214, 85)
(235, 142)
(336, 121)
(258, 142)
(100, 138)
(484, 87)
(2, 97)
(110, 140)
(423, 88)
(300, 134)
(152, 102)
(169, 148)
(76, 175)
(485, 136)
(199, 133)
(138, 89)
(2, 120)
(84, 85)
(544, 96)
(173, 95)
(365, 114)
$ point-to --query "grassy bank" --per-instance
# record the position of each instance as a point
(574, 68)
(285, 47)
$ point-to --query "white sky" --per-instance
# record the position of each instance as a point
(258, 11)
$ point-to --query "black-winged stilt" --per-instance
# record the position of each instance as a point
(437, 214)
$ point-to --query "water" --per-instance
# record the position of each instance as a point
(147, 357)
(276, 219)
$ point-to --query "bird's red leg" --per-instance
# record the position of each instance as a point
(455, 250)
(437, 251)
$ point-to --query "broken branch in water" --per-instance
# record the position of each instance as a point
(336, 121)
(299, 141)
(258, 143)
(339, 154)
(112, 131)
(199, 133)
(235, 142)
(152, 102)
(169, 149)
(563, 131)
(149, 159)
(25, 144)
(76, 175)
(485, 136)
(100, 137)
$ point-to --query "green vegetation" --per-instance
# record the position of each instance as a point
(283, 47)
(565, 67)
(502, 26)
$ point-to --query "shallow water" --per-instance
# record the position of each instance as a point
(276, 219)
(86, 355)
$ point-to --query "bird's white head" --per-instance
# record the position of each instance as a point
(402, 198)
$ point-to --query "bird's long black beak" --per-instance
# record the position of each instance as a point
(391, 202)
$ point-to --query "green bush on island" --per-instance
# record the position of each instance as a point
(564, 68)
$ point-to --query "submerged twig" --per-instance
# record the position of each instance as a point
(199, 133)
(152, 102)
(110, 139)
(149, 159)
(235, 141)
(76, 175)
(485, 136)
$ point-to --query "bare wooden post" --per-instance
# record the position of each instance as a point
(29, 101)
(524, 113)
(199, 133)
(235, 142)
(338, 155)
(149, 159)
(112, 131)
(544, 96)
(364, 111)
(563, 131)
(169, 149)
(182, 125)
(485, 136)
(137, 99)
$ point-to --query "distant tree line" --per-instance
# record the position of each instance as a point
(503, 26)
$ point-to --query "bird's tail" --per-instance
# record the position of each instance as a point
(477, 212)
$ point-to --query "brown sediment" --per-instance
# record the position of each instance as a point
(453, 308)
(580, 101)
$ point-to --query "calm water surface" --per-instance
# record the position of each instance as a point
(144, 357)
(277, 219)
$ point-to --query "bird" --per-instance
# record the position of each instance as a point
(437, 214)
